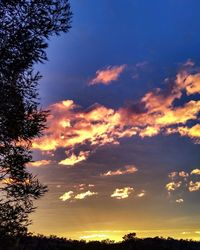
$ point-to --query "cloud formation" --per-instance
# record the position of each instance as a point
(39, 163)
(70, 126)
(82, 196)
(70, 195)
(179, 200)
(66, 196)
(195, 171)
(194, 186)
(122, 193)
(172, 186)
(183, 181)
(108, 75)
(183, 174)
(127, 170)
(73, 159)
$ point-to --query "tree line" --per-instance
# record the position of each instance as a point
(128, 243)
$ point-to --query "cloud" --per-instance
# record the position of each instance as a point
(108, 75)
(83, 186)
(192, 83)
(179, 200)
(70, 126)
(66, 196)
(39, 163)
(122, 193)
(141, 194)
(192, 132)
(172, 186)
(194, 186)
(183, 174)
(195, 171)
(149, 131)
(172, 175)
(73, 159)
(127, 170)
(84, 195)
(186, 182)
(141, 64)
(189, 63)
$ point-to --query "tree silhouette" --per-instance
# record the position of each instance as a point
(26, 26)
(129, 237)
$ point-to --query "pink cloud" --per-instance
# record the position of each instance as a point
(108, 75)
(70, 126)
(127, 170)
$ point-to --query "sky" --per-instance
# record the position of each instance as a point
(121, 151)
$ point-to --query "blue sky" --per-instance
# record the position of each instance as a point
(154, 42)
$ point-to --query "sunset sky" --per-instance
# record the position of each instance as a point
(122, 149)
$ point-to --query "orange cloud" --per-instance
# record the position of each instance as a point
(107, 75)
(194, 186)
(149, 131)
(183, 174)
(195, 171)
(179, 200)
(172, 186)
(73, 159)
(191, 83)
(39, 163)
(122, 193)
(141, 194)
(84, 195)
(70, 126)
(128, 170)
(66, 196)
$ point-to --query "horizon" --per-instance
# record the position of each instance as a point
(121, 151)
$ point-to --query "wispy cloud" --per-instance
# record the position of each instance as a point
(122, 193)
(84, 195)
(83, 186)
(71, 195)
(39, 163)
(108, 75)
(73, 159)
(141, 194)
(127, 170)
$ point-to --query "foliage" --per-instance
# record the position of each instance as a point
(54, 243)
(26, 26)
(129, 237)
